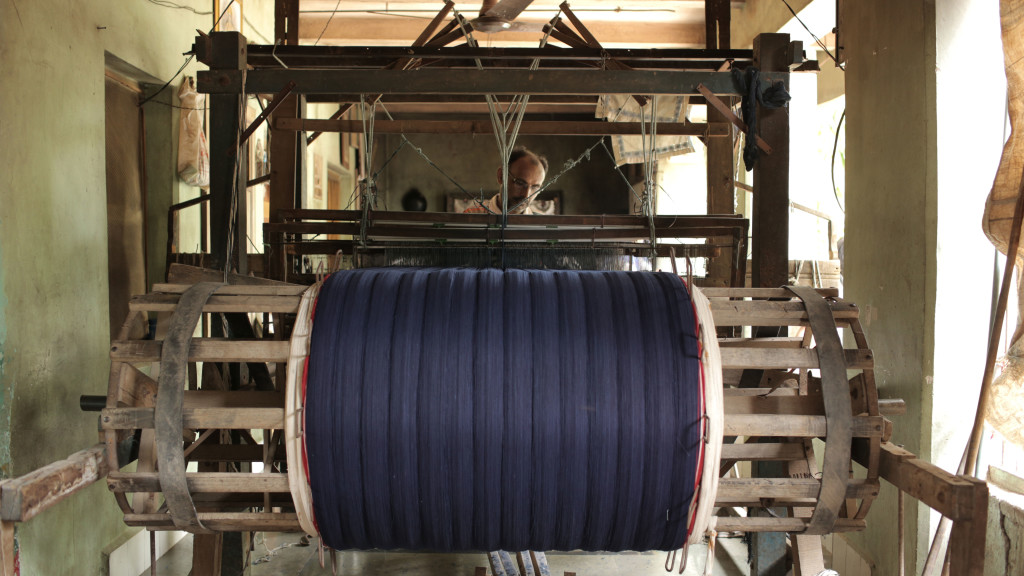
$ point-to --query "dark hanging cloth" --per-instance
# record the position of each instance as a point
(774, 96)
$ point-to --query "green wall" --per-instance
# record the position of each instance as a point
(53, 245)
(916, 262)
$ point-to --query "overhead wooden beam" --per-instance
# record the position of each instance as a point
(552, 128)
(488, 81)
(390, 30)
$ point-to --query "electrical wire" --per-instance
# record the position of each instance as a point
(190, 56)
(835, 146)
(169, 4)
(328, 23)
(816, 39)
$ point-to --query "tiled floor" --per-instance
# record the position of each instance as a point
(281, 555)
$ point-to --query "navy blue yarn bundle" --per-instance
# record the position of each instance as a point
(464, 409)
(774, 96)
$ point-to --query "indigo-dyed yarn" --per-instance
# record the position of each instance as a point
(466, 409)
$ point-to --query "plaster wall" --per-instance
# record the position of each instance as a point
(916, 260)
(891, 191)
(53, 246)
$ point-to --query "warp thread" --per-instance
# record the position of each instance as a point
(774, 96)
(463, 409)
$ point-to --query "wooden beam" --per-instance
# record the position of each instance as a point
(24, 497)
(771, 174)
(546, 128)
(455, 81)
(781, 359)
(204, 350)
(385, 31)
(221, 418)
(797, 426)
(215, 482)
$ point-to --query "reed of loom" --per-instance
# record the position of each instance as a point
(223, 431)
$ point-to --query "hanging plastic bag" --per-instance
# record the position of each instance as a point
(193, 157)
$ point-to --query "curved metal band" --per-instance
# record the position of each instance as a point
(169, 405)
(835, 469)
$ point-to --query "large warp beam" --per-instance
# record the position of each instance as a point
(464, 409)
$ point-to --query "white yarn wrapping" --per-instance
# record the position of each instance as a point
(711, 363)
(294, 417)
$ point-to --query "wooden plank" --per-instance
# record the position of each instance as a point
(717, 293)
(24, 497)
(770, 233)
(950, 495)
(274, 289)
(734, 358)
(762, 451)
(744, 489)
(776, 426)
(204, 350)
(224, 521)
(764, 309)
(741, 524)
(185, 274)
(783, 391)
(771, 342)
(216, 482)
(206, 554)
(223, 418)
(724, 111)
(807, 405)
(527, 127)
(808, 559)
(7, 556)
(218, 303)
(967, 541)
(462, 81)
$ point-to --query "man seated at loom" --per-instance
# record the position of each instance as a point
(526, 172)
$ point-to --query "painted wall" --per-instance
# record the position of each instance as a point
(915, 260)
(53, 246)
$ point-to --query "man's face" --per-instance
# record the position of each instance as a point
(525, 177)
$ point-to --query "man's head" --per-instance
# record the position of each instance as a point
(526, 172)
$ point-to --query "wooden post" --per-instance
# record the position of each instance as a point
(720, 167)
(284, 159)
(771, 175)
(227, 113)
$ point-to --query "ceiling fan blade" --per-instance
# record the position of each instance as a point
(508, 9)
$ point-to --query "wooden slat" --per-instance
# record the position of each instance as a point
(274, 289)
(224, 418)
(730, 391)
(218, 303)
(950, 495)
(775, 426)
(204, 350)
(768, 358)
(527, 127)
(781, 342)
(217, 482)
(740, 312)
(808, 405)
(728, 524)
(744, 489)
(224, 521)
(763, 451)
(718, 292)
(23, 497)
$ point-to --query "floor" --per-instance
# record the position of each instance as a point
(283, 555)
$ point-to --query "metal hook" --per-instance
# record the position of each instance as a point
(334, 562)
(670, 561)
(685, 550)
(320, 550)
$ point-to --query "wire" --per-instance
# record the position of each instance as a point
(816, 39)
(169, 4)
(835, 146)
(190, 56)
(168, 83)
(333, 12)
